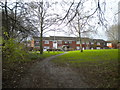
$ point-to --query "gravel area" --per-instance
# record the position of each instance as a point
(46, 74)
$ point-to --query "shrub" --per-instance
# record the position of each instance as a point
(13, 51)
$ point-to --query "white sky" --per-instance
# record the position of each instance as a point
(111, 10)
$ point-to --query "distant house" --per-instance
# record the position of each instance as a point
(109, 44)
(118, 45)
(112, 44)
(69, 43)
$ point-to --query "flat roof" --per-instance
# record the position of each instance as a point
(64, 38)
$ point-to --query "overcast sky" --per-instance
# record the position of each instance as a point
(111, 10)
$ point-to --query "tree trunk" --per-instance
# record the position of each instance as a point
(6, 20)
(41, 46)
(13, 35)
(80, 40)
(81, 49)
(41, 27)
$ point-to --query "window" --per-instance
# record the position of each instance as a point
(87, 42)
(83, 48)
(109, 45)
(77, 42)
(37, 42)
(104, 43)
(98, 47)
(66, 42)
(37, 46)
(98, 43)
(83, 42)
(92, 42)
(46, 42)
(87, 47)
(46, 47)
(77, 47)
(92, 48)
(70, 42)
(59, 42)
(59, 47)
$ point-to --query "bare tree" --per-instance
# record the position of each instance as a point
(78, 27)
(14, 21)
(89, 13)
(82, 20)
(112, 33)
(45, 18)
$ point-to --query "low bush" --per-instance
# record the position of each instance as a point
(13, 51)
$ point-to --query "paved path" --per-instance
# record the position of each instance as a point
(46, 74)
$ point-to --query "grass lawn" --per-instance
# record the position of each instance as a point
(99, 67)
(36, 54)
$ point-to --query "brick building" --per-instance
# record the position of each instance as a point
(70, 43)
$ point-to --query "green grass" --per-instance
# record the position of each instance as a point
(99, 67)
(36, 54)
(92, 56)
(32, 56)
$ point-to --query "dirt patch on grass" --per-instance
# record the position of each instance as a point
(97, 74)
(14, 71)
(104, 75)
(46, 74)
